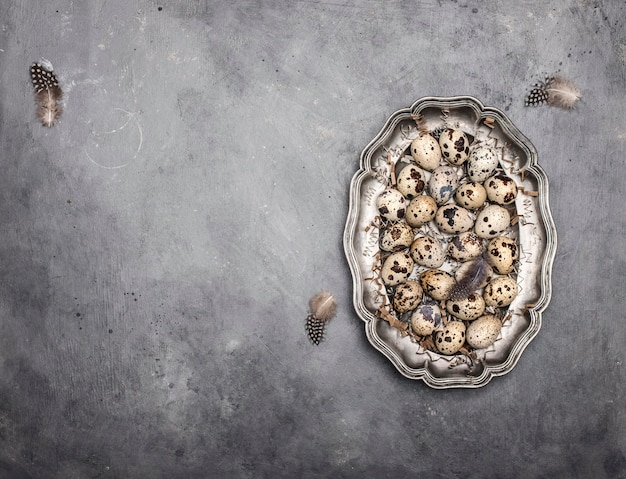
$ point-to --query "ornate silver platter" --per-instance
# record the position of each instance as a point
(533, 228)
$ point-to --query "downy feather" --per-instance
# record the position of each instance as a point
(470, 277)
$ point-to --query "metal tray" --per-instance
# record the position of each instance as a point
(535, 231)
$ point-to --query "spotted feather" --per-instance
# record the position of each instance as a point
(48, 94)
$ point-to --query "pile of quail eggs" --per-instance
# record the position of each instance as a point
(450, 207)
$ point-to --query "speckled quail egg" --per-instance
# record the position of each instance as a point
(396, 237)
(468, 309)
(420, 211)
(454, 146)
(442, 184)
(501, 253)
(410, 181)
(436, 283)
(453, 219)
(426, 319)
(491, 221)
(426, 152)
(483, 331)
(428, 252)
(501, 189)
(500, 292)
(481, 163)
(397, 268)
(391, 204)
(407, 296)
(465, 246)
(451, 338)
(471, 195)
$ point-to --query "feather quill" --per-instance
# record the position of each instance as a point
(554, 91)
(48, 94)
(323, 307)
(470, 276)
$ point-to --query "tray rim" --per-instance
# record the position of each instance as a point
(535, 312)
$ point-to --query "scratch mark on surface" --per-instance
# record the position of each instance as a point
(131, 116)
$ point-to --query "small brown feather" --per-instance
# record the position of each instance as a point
(48, 94)
(563, 93)
(323, 307)
(554, 91)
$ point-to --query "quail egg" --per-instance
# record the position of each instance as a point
(426, 319)
(426, 152)
(436, 283)
(428, 252)
(451, 338)
(467, 309)
(491, 221)
(502, 252)
(465, 246)
(471, 195)
(442, 184)
(410, 181)
(396, 237)
(397, 268)
(500, 292)
(420, 211)
(407, 296)
(501, 189)
(483, 331)
(391, 204)
(453, 219)
(482, 161)
(454, 146)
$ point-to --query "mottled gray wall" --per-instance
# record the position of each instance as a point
(160, 244)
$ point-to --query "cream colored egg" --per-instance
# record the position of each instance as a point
(407, 296)
(454, 146)
(436, 283)
(453, 219)
(442, 184)
(426, 152)
(491, 221)
(426, 319)
(482, 161)
(502, 252)
(397, 268)
(410, 181)
(428, 252)
(465, 246)
(470, 195)
(421, 210)
(501, 189)
(396, 237)
(467, 309)
(391, 204)
(500, 292)
(451, 338)
(483, 331)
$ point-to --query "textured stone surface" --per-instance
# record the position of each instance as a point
(159, 246)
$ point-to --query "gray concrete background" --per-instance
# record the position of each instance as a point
(159, 246)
